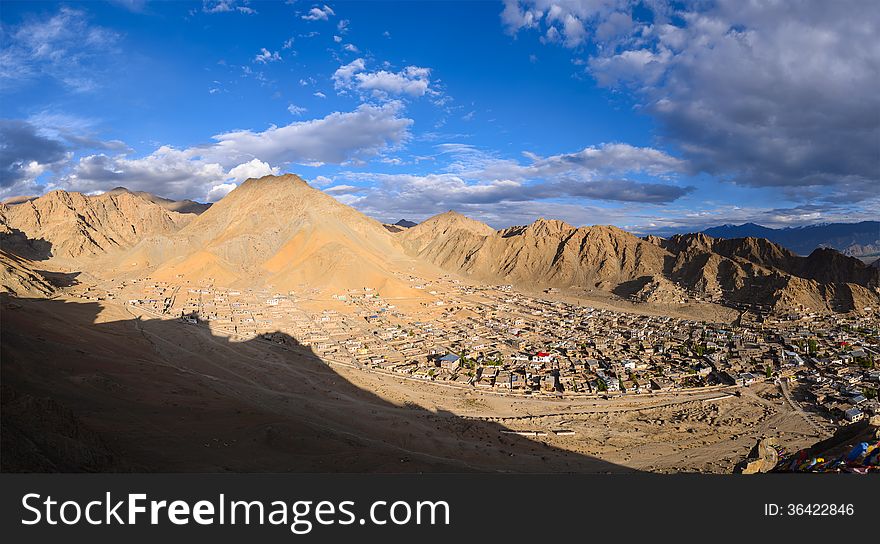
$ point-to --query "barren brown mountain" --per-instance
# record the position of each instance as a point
(79, 226)
(545, 253)
(278, 231)
(757, 271)
(553, 253)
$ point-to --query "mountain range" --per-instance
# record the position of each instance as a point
(279, 231)
(853, 239)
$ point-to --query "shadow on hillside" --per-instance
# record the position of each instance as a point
(131, 394)
(629, 288)
(60, 279)
(17, 243)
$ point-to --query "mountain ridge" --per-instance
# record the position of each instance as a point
(280, 231)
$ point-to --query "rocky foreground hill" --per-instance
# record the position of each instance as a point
(278, 230)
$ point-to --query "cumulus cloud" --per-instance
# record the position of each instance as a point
(477, 180)
(444, 191)
(500, 203)
(319, 13)
(413, 80)
(295, 110)
(265, 56)
(25, 154)
(168, 172)
(219, 191)
(227, 6)
(563, 21)
(45, 141)
(336, 138)
(764, 94)
(64, 47)
(207, 171)
(515, 17)
(593, 162)
(608, 158)
(255, 168)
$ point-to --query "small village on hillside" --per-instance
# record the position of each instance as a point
(498, 340)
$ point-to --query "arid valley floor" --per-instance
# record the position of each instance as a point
(153, 393)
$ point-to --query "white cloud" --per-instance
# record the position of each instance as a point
(412, 80)
(611, 158)
(193, 172)
(479, 181)
(565, 21)
(500, 201)
(64, 47)
(335, 138)
(219, 191)
(514, 18)
(321, 181)
(319, 94)
(319, 14)
(28, 150)
(764, 94)
(255, 168)
(344, 189)
(574, 31)
(167, 171)
(345, 73)
(295, 110)
(591, 163)
(265, 56)
(227, 6)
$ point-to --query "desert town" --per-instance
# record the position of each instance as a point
(497, 340)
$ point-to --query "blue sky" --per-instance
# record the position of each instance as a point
(647, 116)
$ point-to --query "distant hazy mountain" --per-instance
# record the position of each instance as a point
(405, 224)
(180, 206)
(853, 239)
